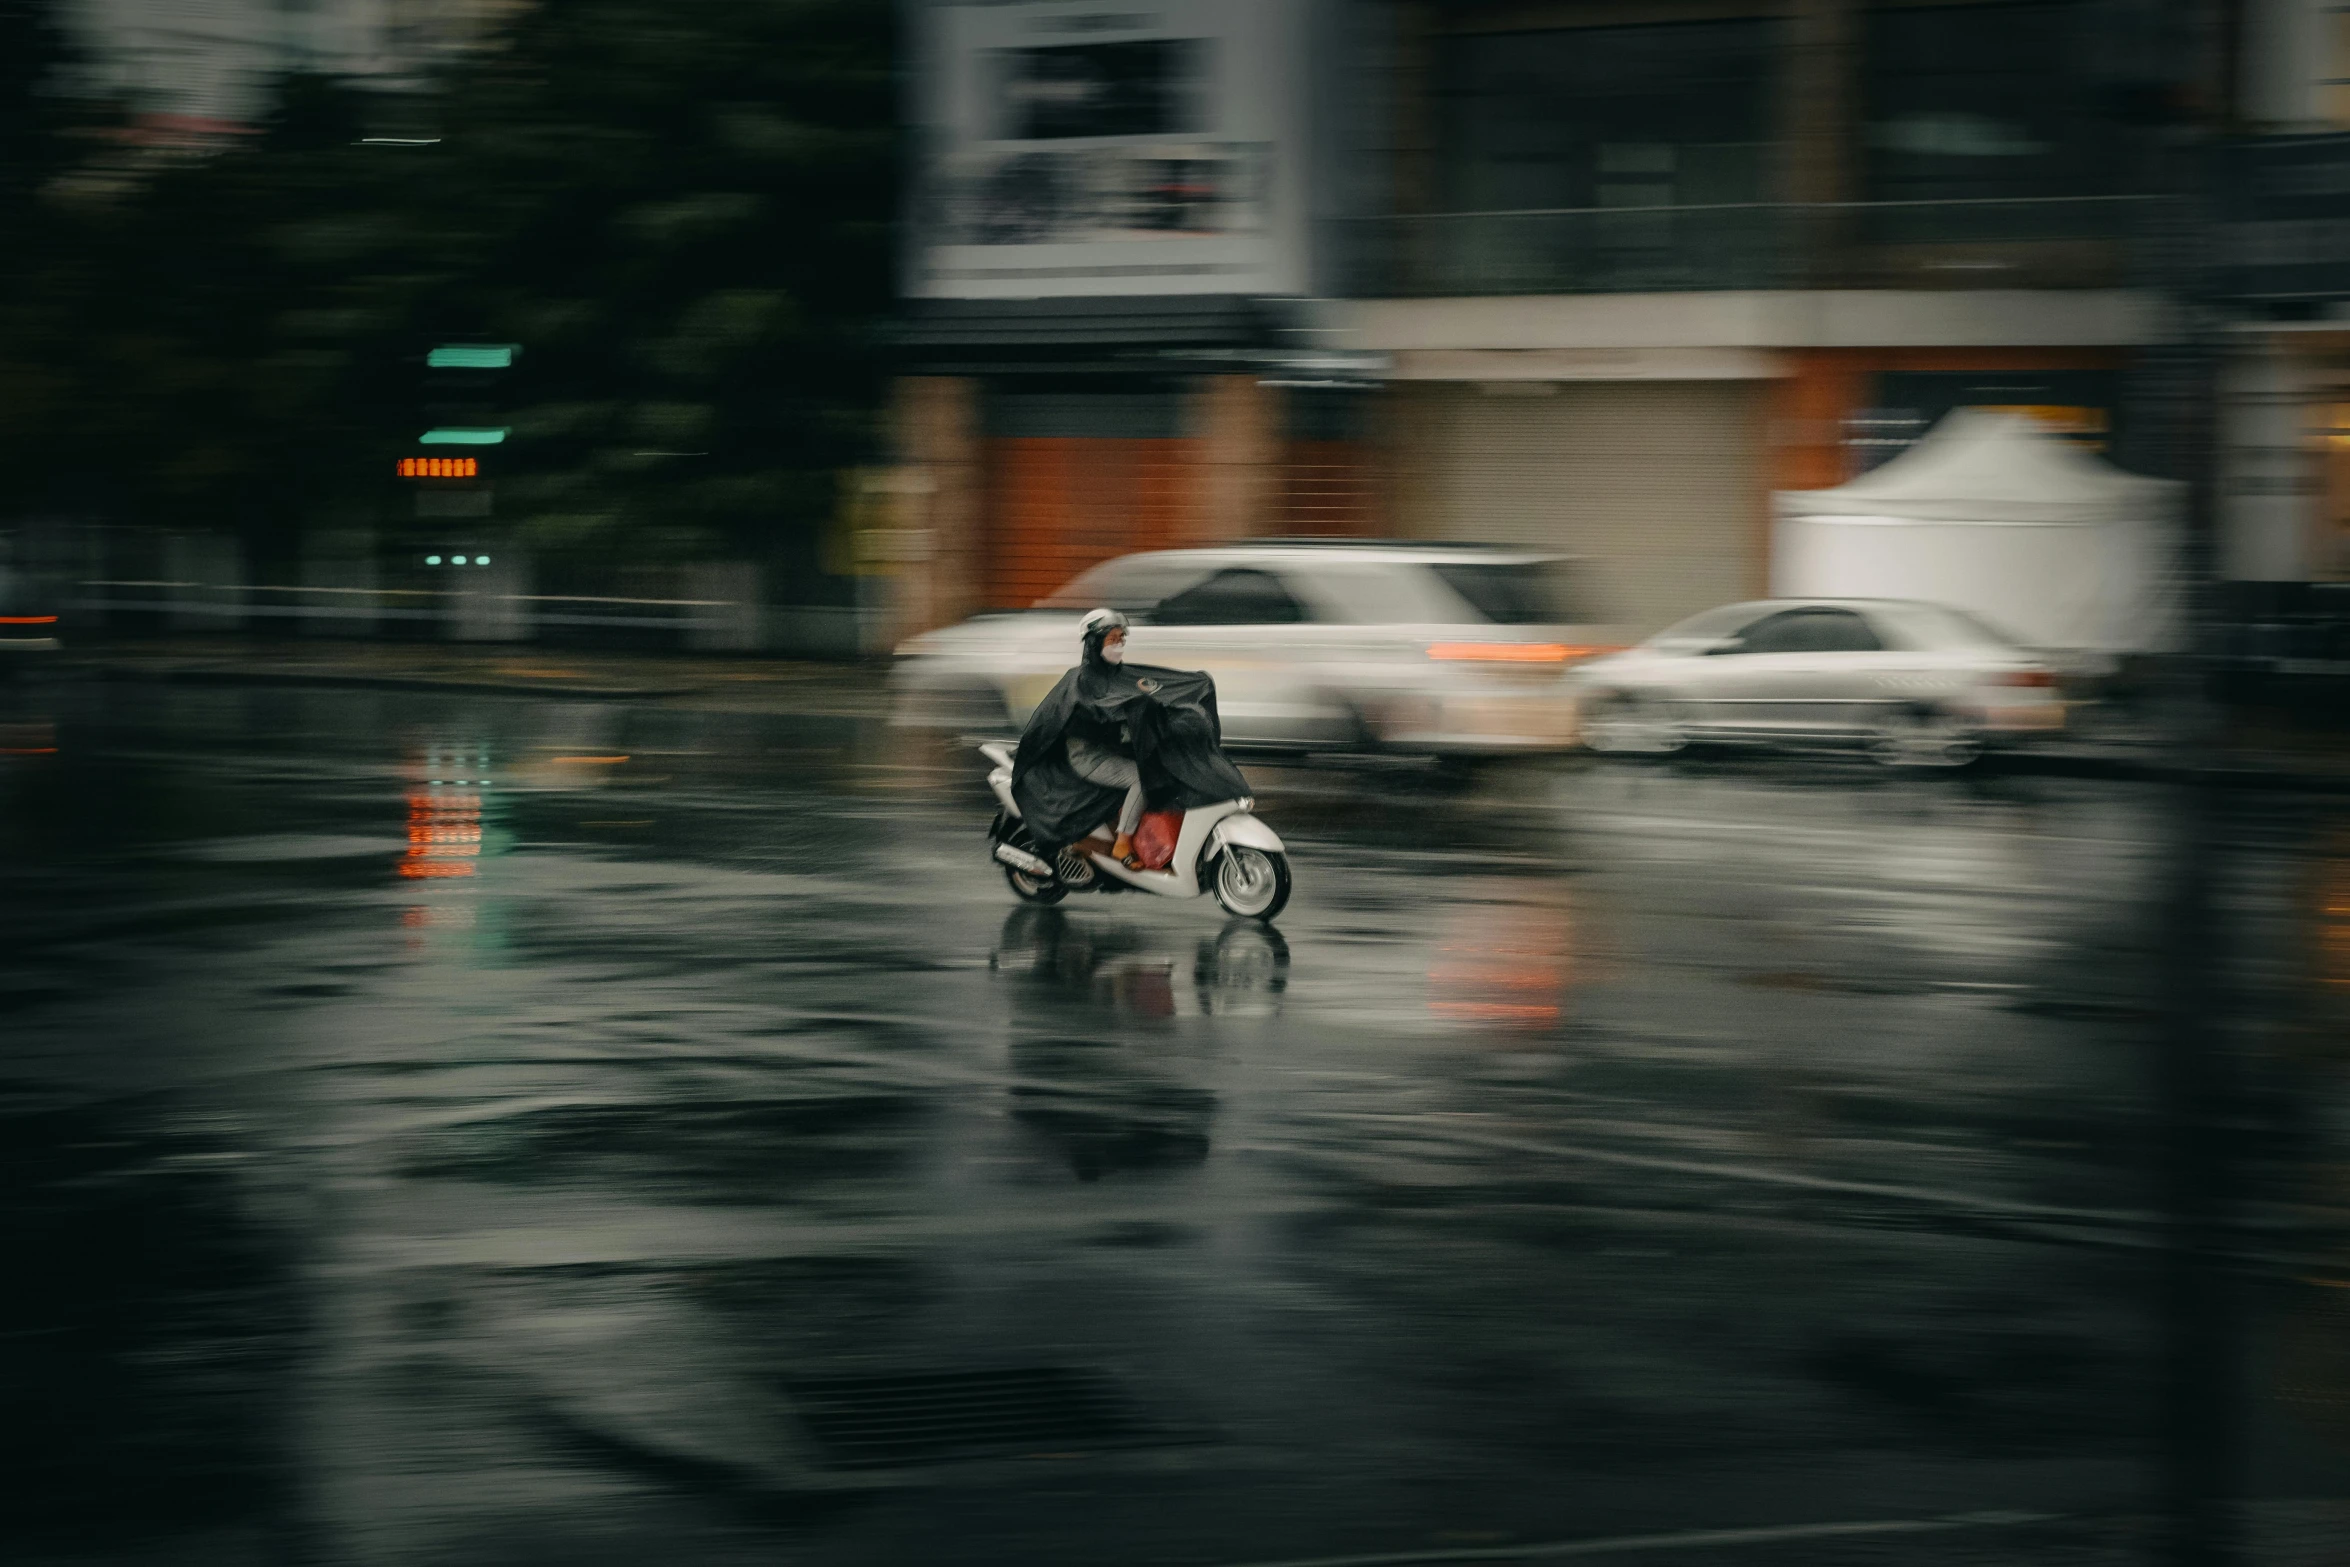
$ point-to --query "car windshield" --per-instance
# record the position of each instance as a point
(1726, 620)
(1134, 585)
(1517, 593)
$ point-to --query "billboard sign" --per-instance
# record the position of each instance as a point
(1077, 149)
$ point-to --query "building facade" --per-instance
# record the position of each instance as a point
(1597, 275)
(213, 61)
(2284, 249)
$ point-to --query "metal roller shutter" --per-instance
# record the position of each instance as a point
(1057, 505)
(1076, 476)
(1658, 482)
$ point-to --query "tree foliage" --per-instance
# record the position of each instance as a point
(679, 209)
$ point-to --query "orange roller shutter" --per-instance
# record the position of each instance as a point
(1059, 504)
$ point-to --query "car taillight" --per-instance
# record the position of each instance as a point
(2037, 679)
(1512, 652)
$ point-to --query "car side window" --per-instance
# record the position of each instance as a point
(1842, 631)
(1811, 631)
(1232, 598)
(1771, 634)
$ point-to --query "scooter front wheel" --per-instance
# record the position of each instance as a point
(1252, 883)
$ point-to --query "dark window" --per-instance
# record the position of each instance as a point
(1521, 593)
(1811, 631)
(1153, 87)
(1984, 101)
(1323, 414)
(1076, 409)
(1652, 116)
(1232, 598)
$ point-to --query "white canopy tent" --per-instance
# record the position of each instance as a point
(1991, 514)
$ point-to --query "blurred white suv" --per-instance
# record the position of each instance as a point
(1424, 649)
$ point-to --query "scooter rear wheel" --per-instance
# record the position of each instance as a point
(1026, 887)
(1033, 889)
(1251, 883)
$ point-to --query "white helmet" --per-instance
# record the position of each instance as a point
(1096, 627)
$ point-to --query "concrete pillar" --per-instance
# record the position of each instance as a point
(1819, 133)
(206, 572)
(937, 497)
(1412, 432)
(340, 584)
(1413, 99)
(1237, 422)
(1408, 249)
(2270, 488)
(60, 558)
(900, 552)
(727, 616)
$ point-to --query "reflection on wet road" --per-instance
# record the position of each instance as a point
(492, 1131)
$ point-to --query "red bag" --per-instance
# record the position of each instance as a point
(1154, 838)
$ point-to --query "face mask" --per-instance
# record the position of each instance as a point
(1114, 652)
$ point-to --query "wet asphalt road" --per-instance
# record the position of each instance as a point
(481, 1130)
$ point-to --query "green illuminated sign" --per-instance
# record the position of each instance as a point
(472, 356)
(461, 437)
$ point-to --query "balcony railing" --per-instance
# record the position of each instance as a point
(2026, 242)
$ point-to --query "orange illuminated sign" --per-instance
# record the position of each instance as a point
(440, 467)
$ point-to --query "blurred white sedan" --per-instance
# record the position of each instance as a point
(28, 623)
(1453, 651)
(1918, 684)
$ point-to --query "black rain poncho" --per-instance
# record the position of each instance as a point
(1178, 744)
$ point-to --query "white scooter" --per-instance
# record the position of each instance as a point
(1220, 847)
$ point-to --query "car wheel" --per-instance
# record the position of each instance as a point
(1926, 737)
(1621, 724)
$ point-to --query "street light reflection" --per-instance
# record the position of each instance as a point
(1507, 958)
(2333, 913)
(444, 835)
(444, 812)
(35, 739)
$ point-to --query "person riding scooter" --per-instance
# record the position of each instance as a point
(1112, 736)
(1098, 751)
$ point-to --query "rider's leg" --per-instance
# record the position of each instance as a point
(1116, 772)
(1129, 818)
